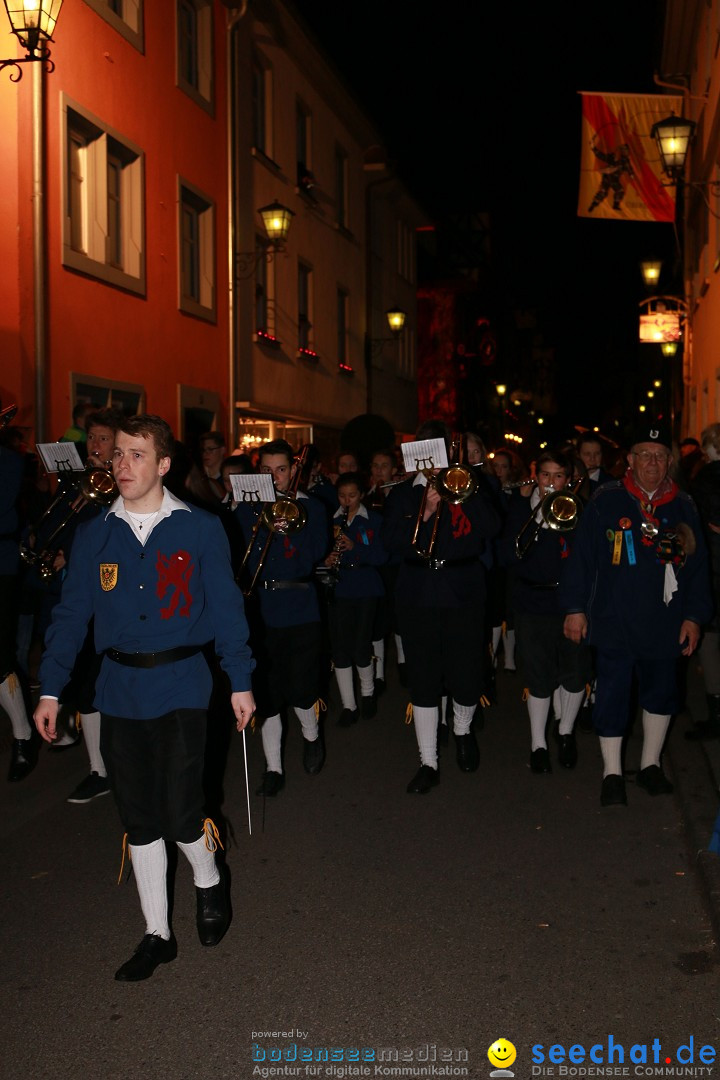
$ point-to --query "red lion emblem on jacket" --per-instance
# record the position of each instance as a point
(174, 572)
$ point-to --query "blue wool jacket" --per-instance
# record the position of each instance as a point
(536, 576)
(358, 573)
(178, 590)
(289, 558)
(623, 601)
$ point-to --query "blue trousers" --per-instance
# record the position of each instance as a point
(657, 689)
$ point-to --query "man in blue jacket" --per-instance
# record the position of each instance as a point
(637, 587)
(155, 573)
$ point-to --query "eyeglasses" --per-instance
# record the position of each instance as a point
(206, 449)
(647, 456)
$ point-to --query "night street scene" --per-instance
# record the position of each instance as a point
(359, 540)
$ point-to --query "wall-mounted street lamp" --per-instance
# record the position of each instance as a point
(33, 24)
(662, 319)
(396, 319)
(669, 348)
(672, 136)
(276, 220)
(650, 271)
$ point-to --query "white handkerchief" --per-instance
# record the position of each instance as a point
(670, 585)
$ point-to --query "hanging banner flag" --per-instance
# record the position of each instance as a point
(620, 170)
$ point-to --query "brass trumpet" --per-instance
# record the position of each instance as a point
(285, 515)
(454, 485)
(95, 485)
(559, 510)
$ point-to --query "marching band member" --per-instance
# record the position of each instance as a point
(637, 588)
(155, 574)
(547, 659)
(357, 554)
(288, 646)
(383, 470)
(440, 598)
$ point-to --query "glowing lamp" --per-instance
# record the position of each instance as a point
(672, 136)
(276, 219)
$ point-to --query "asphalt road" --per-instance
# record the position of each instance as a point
(413, 928)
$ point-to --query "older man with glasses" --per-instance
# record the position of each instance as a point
(637, 588)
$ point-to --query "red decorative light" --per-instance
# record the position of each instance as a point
(345, 368)
(307, 354)
(266, 338)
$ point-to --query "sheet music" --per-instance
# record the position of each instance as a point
(424, 454)
(60, 456)
(253, 487)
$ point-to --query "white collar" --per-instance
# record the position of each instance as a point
(420, 478)
(360, 512)
(168, 504)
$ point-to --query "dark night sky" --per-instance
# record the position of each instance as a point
(478, 105)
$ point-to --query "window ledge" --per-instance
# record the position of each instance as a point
(308, 354)
(75, 260)
(343, 230)
(345, 369)
(269, 341)
(263, 158)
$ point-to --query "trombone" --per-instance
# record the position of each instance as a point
(454, 485)
(282, 517)
(559, 510)
(95, 485)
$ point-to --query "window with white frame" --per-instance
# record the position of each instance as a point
(127, 398)
(264, 293)
(262, 88)
(125, 16)
(341, 187)
(305, 307)
(196, 245)
(195, 50)
(303, 143)
(102, 191)
(343, 308)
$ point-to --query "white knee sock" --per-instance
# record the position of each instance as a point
(538, 709)
(91, 730)
(654, 732)
(204, 867)
(399, 649)
(150, 869)
(13, 702)
(569, 708)
(444, 710)
(611, 748)
(463, 715)
(344, 676)
(272, 742)
(509, 649)
(309, 723)
(426, 726)
(367, 680)
(378, 648)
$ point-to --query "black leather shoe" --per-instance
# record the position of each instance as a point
(567, 750)
(540, 760)
(313, 755)
(654, 781)
(612, 792)
(368, 707)
(347, 718)
(150, 953)
(272, 782)
(468, 755)
(425, 778)
(23, 758)
(213, 913)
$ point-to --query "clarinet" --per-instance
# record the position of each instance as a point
(327, 576)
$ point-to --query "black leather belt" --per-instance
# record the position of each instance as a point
(273, 585)
(440, 564)
(153, 659)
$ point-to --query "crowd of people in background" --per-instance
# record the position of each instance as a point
(337, 597)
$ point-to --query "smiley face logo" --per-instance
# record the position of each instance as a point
(502, 1053)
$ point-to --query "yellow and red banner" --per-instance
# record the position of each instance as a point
(620, 171)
